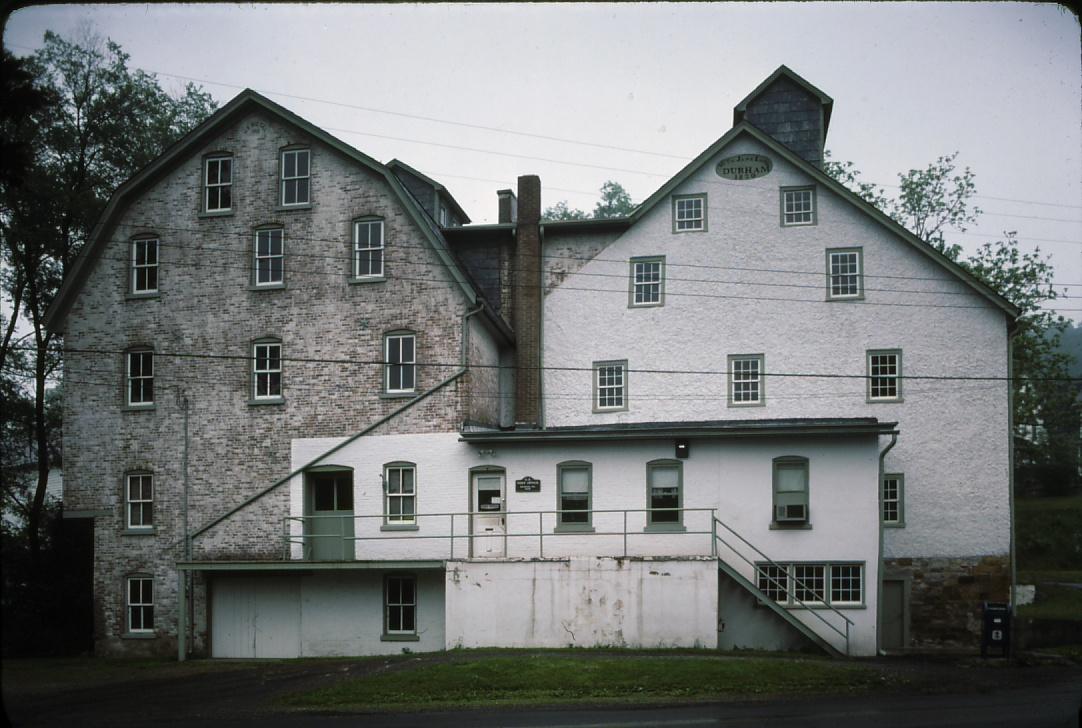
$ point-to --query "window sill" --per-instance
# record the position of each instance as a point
(266, 287)
(268, 401)
(292, 208)
(399, 638)
(215, 213)
(813, 223)
(606, 410)
(397, 395)
(150, 295)
(899, 400)
(356, 280)
(139, 407)
(139, 532)
(820, 605)
(775, 526)
(693, 230)
(894, 525)
(659, 304)
(139, 636)
(399, 527)
(573, 528)
(664, 528)
(741, 405)
(845, 299)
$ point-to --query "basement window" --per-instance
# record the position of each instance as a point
(812, 584)
(140, 604)
(400, 607)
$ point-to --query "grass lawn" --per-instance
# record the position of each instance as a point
(549, 678)
(1054, 602)
(48, 674)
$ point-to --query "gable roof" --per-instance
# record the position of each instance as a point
(838, 189)
(244, 102)
(783, 70)
(396, 164)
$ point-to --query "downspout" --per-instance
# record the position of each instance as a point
(184, 587)
(879, 520)
(1010, 484)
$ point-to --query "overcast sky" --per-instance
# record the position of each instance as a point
(998, 82)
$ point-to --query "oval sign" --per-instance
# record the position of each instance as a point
(744, 166)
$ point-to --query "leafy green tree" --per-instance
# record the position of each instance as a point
(560, 211)
(615, 202)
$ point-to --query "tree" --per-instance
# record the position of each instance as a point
(560, 211)
(614, 202)
(90, 123)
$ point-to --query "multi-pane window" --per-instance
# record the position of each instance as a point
(689, 213)
(798, 206)
(790, 490)
(269, 257)
(845, 277)
(647, 280)
(812, 584)
(144, 265)
(610, 386)
(400, 363)
(267, 370)
(140, 378)
(574, 498)
(663, 492)
(140, 497)
(885, 376)
(295, 173)
(140, 604)
(893, 514)
(400, 607)
(218, 184)
(367, 248)
(746, 379)
(400, 493)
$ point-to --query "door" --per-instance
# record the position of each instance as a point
(489, 520)
(893, 615)
(329, 530)
(255, 616)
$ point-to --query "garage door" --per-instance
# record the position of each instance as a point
(255, 616)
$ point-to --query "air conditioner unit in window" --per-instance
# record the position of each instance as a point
(791, 513)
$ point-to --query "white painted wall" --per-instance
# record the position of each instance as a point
(954, 439)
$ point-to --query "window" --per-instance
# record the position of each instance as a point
(140, 604)
(400, 363)
(400, 606)
(444, 217)
(688, 213)
(269, 257)
(790, 490)
(140, 378)
(219, 184)
(295, 177)
(804, 584)
(267, 370)
(798, 206)
(367, 248)
(647, 281)
(400, 493)
(746, 386)
(664, 492)
(885, 376)
(144, 265)
(893, 511)
(139, 493)
(845, 274)
(610, 386)
(574, 482)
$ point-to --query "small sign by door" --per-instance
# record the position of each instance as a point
(527, 485)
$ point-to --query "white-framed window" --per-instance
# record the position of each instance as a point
(573, 479)
(140, 603)
(812, 584)
(144, 265)
(267, 370)
(845, 274)
(140, 378)
(295, 177)
(218, 184)
(400, 605)
(400, 493)
(664, 492)
(688, 213)
(444, 218)
(797, 206)
(269, 257)
(610, 386)
(892, 498)
(139, 494)
(367, 248)
(746, 385)
(885, 375)
(647, 281)
(400, 363)
(790, 490)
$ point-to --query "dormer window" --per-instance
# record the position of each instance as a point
(295, 177)
(218, 184)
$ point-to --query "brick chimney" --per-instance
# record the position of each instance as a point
(526, 300)
(790, 110)
(508, 206)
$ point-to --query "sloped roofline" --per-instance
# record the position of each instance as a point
(841, 191)
(439, 187)
(179, 150)
(783, 70)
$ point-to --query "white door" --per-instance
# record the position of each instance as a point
(255, 616)
(489, 515)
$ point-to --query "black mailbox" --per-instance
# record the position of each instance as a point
(996, 631)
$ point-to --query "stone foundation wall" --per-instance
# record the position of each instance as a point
(945, 596)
